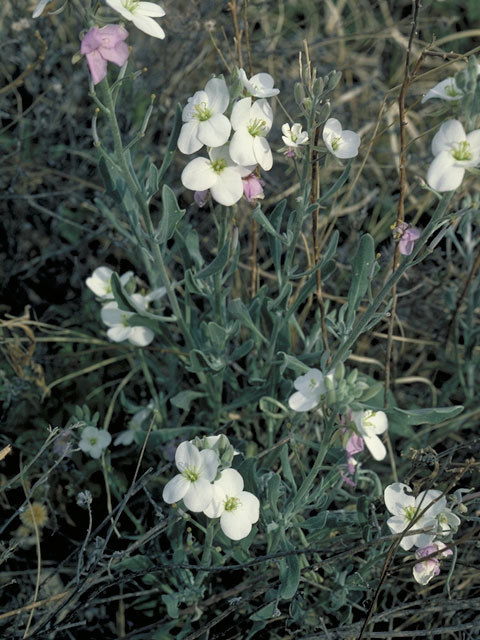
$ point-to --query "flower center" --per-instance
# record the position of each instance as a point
(312, 384)
(368, 422)
(257, 127)
(131, 5)
(461, 151)
(202, 112)
(191, 474)
(410, 513)
(452, 91)
(231, 504)
(218, 165)
(336, 142)
(93, 441)
(125, 320)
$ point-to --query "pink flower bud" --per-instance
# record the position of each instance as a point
(253, 188)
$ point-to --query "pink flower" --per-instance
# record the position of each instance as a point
(354, 444)
(102, 45)
(407, 236)
(424, 571)
(253, 188)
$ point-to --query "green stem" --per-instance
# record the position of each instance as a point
(366, 318)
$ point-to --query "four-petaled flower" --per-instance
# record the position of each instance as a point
(99, 282)
(343, 144)
(370, 424)
(117, 321)
(424, 571)
(251, 123)
(193, 484)
(94, 441)
(407, 237)
(219, 174)
(310, 388)
(141, 14)
(294, 136)
(406, 509)
(204, 122)
(446, 90)
(454, 151)
(237, 509)
(104, 45)
(259, 86)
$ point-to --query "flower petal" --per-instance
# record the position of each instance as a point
(375, 446)
(451, 132)
(228, 189)
(241, 148)
(150, 9)
(234, 525)
(241, 113)
(208, 464)
(396, 499)
(214, 132)
(141, 336)
(300, 402)
(187, 456)
(175, 489)
(217, 94)
(198, 175)
(263, 154)
(119, 333)
(148, 26)
(443, 175)
(199, 495)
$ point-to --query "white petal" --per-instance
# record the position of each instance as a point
(199, 495)
(214, 132)
(148, 26)
(263, 154)
(208, 464)
(119, 333)
(229, 188)
(124, 437)
(312, 380)
(111, 315)
(250, 506)
(187, 456)
(218, 96)
(332, 128)
(375, 446)
(348, 146)
(426, 497)
(451, 132)
(473, 139)
(396, 499)
(126, 277)
(104, 438)
(241, 148)
(261, 110)
(175, 489)
(241, 113)
(231, 482)
(235, 525)
(262, 85)
(198, 175)
(301, 402)
(150, 9)
(443, 175)
(188, 141)
(141, 336)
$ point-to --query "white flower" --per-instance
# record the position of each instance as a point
(238, 510)
(406, 508)
(219, 174)
(369, 424)
(259, 86)
(294, 137)
(119, 329)
(204, 119)
(94, 441)
(99, 282)
(343, 144)
(446, 90)
(310, 388)
(448, 522)
(141, 14)
(251, 123)
(454, 151)
(193, 484)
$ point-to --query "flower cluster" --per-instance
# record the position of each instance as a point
(228, 172)
(219, 494)
(116, 319)
(361, 427)
(427, 512)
